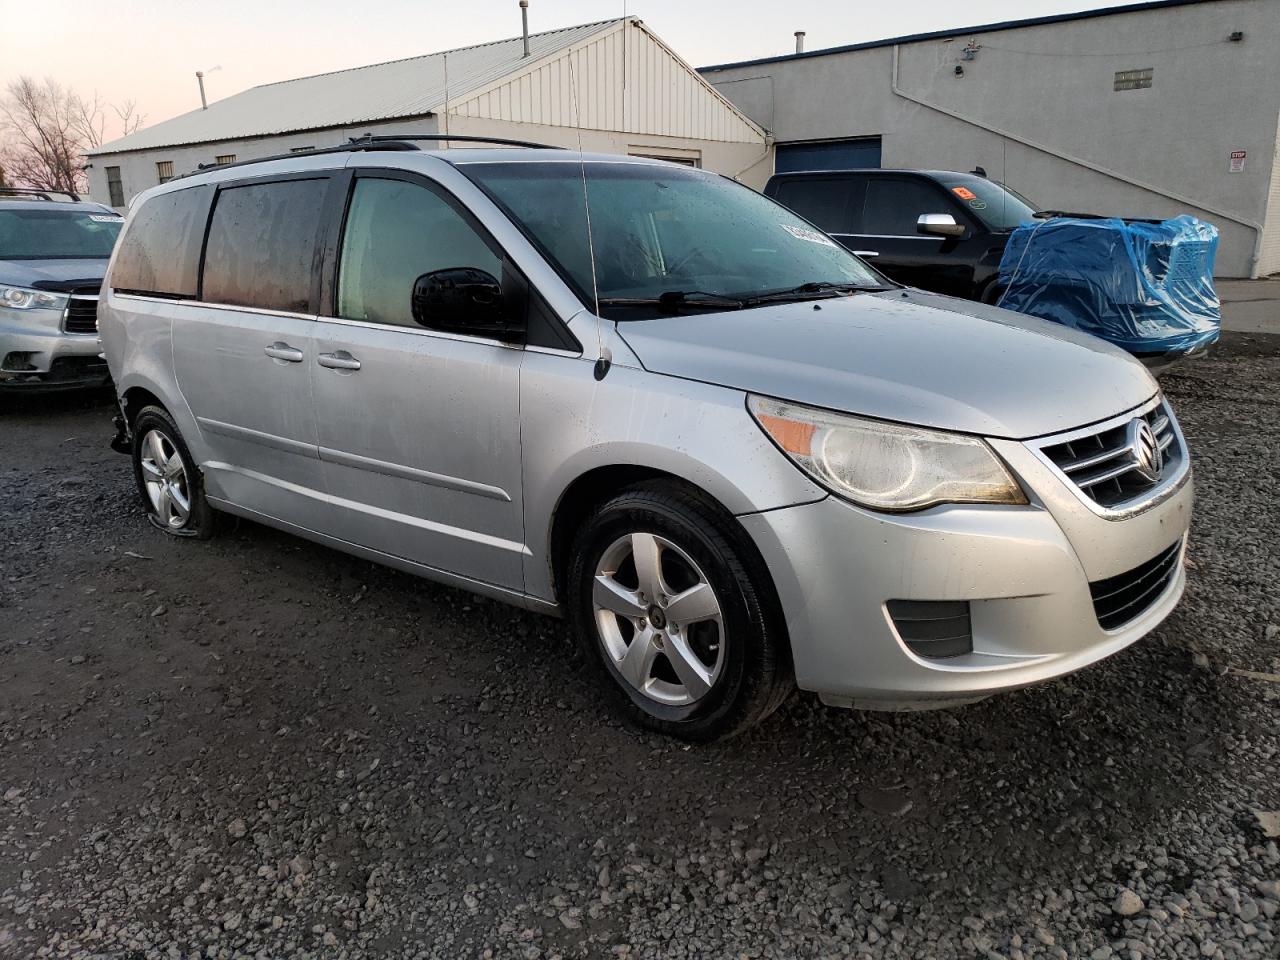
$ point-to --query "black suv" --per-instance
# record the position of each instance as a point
(932, 229)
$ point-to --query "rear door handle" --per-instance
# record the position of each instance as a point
(341, 360)
(282, 351)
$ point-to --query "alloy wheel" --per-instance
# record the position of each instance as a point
(658, 619)
(164, 475)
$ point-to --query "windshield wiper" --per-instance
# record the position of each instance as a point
(674, 300)
(817, 289)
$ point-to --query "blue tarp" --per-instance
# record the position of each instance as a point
(1146, 287)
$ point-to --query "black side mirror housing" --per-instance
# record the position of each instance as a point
(467, 300)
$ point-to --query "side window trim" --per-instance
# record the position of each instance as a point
(336, 217)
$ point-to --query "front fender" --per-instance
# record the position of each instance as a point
(572, 424)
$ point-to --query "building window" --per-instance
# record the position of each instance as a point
(1133, 79)
(164, 170)
(115, 189)
(224, 159)
(688, 158)
(301, 149)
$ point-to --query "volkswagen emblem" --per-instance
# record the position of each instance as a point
(1148, 459)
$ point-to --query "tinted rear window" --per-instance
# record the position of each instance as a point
(824, 202)
(160, 252)
(262, 244)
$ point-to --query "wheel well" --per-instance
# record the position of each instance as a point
(595, 487)
(584, 495)
(134, 399)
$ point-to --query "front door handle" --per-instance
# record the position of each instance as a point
(341, 360)
(282, 351)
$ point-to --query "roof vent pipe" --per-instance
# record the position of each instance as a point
(799, 41)
(524, 23)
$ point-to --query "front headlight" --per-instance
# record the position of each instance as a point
(886, 466)
(21, 298)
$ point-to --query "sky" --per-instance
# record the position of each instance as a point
(149, 51)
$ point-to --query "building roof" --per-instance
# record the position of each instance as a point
(413, 87)
(962, 32)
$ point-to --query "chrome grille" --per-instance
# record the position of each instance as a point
(1122, 461)
(82, 313)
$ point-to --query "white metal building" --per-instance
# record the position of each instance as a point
(613, 84)
(1149, 109)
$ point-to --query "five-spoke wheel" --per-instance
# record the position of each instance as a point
(659, 618)
(165, 477)
(170, 484)
(669, 598)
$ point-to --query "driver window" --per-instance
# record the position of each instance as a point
(396, 231)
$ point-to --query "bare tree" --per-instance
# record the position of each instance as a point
(46, 129)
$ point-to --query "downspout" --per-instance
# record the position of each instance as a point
(1086, 164)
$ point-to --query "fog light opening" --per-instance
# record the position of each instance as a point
(933, 629)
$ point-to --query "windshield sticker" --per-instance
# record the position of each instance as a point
(964, 193)
(977, 204)
(98, 219)
(801, 233)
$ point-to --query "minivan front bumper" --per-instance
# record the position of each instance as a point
(1031, 610)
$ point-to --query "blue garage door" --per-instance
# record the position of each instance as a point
(828, 155)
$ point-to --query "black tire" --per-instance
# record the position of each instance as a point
(755, 676)
(992, 293)
(200, 519)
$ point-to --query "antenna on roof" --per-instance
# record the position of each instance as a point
(204, 104)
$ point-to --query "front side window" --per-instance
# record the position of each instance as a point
(892, 207)
(663, 233)
(160, 253)
(397, 231)
(262, 245)
(57, 234)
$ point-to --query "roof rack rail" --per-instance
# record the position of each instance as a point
(500, 141)
(39, 194)
(403, 141)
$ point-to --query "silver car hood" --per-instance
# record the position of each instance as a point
(908, 356)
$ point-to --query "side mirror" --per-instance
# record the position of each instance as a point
(939, 225)
(466, 300)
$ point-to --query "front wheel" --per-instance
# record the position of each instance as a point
(171, 487)
(670, 603)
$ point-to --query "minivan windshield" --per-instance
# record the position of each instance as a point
(993, 203)
(668, 239)
(50, 234)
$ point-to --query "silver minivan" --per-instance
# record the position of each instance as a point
(648, 399)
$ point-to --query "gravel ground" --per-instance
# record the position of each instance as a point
(260, 747)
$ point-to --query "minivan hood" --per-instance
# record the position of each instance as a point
(26, 273)
(907, 356)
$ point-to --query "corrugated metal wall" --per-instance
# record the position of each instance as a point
(1269, 254)
(661, 95)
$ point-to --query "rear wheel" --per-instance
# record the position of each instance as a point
(670, 604)
(171, 487)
